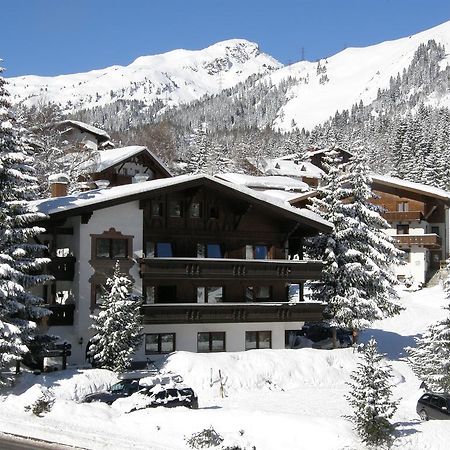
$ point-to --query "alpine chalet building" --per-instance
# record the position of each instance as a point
(212, 260)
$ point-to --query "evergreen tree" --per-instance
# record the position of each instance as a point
(370, 399)
(357, 279)
(117, 326)
(199, 152)
(430, 359)
(21, 262)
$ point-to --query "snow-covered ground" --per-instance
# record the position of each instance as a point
(275, 399)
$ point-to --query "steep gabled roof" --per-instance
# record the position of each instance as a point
(86, 202)
(417, 188)
(261, 182)
(112, 157)
(102, 135)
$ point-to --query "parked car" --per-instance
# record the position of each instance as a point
(170, 397)
(131, 383)
(321, 335)
(123, 388)
(434, 406)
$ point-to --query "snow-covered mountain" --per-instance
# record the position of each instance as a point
(351, 76)
(304, 94)
(175, 77)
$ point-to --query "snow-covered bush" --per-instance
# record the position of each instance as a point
(43, 404)
(205, 439)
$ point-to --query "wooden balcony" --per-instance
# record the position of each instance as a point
(61, 314)
(230, 269)
(403, 216)
(432, 241)
(183, 313)
(62, 268)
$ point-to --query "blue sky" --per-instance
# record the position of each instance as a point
(51, 37)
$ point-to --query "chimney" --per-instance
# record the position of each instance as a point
(140, 178)
(59, 184)
(102, 184)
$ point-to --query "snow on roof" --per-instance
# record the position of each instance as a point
(409, 185)
(73, 202)
(270, 182)
(85, 126)
(289, 168)
(109, 158)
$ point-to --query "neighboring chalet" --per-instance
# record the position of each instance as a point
(310, 172)
(126, 165)
(81, 135)
(210, 258)
(419, 219)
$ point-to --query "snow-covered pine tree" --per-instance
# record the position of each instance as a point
(357, 279)
(372, 252)
(199, 151)
(370, 398)
(430, 359)
(21, 261)
(117, 325)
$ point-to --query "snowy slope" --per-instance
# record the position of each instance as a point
(175, 77)
(354, 75)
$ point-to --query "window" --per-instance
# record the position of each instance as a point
(210, 294)
(159, 343)
(211, 342)
(99, 291)
(157, 208)
(163, 250)
(258, 340)
(403, 206)
(175, 208)
(260, 252)
(402, 229)
(166, 294)
(435, 230)
(256, 252)
(213, 212)
(258, 293)
(149, 294)
(195, 210)
(213, 251)
(111, 248)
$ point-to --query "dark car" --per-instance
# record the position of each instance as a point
(171, 397)
(434, 406)
(123, 388)
(321, 333)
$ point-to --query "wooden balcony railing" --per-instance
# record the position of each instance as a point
(62, 268)
(403, 216)
(227, 269)
(425, 240)
(61, 314)
(183, 313)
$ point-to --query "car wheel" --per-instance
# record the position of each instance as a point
(423, 415)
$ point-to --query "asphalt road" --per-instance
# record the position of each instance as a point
(8, 442)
